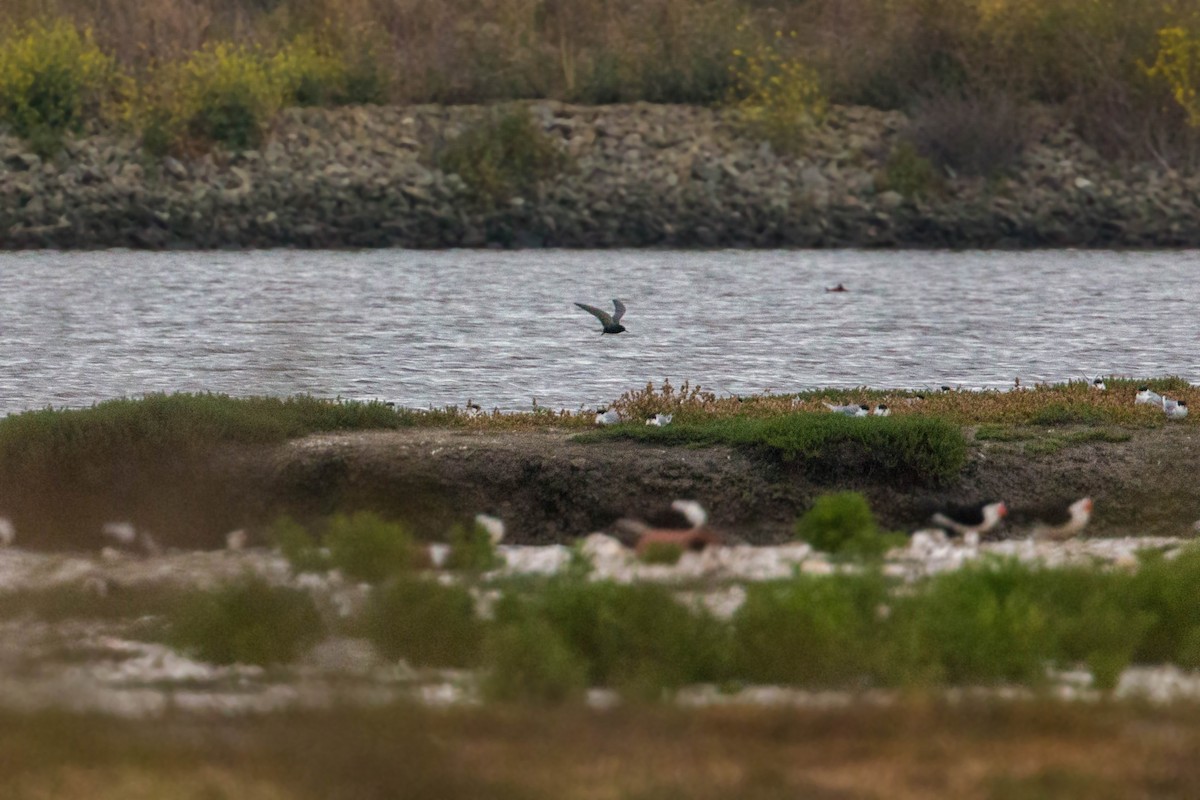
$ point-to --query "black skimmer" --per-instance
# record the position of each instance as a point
(852, 410)
(660, 420)
(607, 416)
(1078, 515)
(685, 525)
(611, 322)
(979, 519)
(1145, 397)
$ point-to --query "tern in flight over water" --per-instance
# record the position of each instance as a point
(611, 322)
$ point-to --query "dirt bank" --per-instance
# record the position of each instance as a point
(550, 488)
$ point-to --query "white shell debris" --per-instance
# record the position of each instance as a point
(8, 532)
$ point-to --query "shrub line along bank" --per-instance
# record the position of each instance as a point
(634, 175)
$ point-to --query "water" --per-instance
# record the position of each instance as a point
(499, 328)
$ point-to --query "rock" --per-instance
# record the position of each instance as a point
(175, 168)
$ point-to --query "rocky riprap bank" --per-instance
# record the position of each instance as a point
(644, 175)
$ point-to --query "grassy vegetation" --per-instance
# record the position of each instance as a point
(248, 621)
(907, 447)
(1001, 751)
(505, 154)
(969, 71)
(363, 545)
(156, 426)
(425, 623)
(842, 524)
(471, 549)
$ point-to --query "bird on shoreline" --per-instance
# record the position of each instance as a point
(1174, 409)
(882, 411)
(611, 322)
(1079, 514)
(608, 416)
(973, 519)
(685, 525)
(1145, 397)
(852, 410)
(660, 420)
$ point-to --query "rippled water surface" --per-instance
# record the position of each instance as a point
(439, 328)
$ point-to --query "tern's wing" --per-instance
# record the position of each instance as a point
(603, 316)
(617, 304)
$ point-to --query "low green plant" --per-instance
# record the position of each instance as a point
(53, 78)
(909, 173)
(298, 546)
(842, 523)
(661, 553)
(365, 546)
(425, 623)
(810, 630)
(471, 548)
(505, 154)
(527, 661)
(636, 638)
(247, 621)
(1068, 414)
(307, 74)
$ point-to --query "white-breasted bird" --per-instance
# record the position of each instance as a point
(852, 410)
(979, 519)
(1145, 397)
(607, 416)
(882, 411)
(1174, 409)
(1079, 514)
(660, 420)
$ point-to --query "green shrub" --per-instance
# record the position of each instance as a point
(505, 154)
(52, 79)
(425, 623)
(842, 523)
(224, 94)
(636, 638)
(365, 546)
(528, 661)
(980, 624)
(298, 546)
(778, 97)
(909, 173)
(809, 630)
(471, 549)
(308, 76)
(248, 621)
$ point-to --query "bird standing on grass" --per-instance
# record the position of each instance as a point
(611, 322)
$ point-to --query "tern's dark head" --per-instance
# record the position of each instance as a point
(1143, 388)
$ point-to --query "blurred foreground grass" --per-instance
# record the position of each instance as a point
(918, 748)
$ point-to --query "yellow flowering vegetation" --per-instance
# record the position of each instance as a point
(1178, 63)
(53, 77)
(778, 98)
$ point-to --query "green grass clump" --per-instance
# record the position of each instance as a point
(529, 662)
(843, 524)
(53, 78)
(821, 631)
(909, 173)
(661, 553)
(471, 549)
(226, 94)
(248, 621)
(61, 442)
(1068, 414)
(504, 155)
(905, 447)
(363, 545)
(636, 638)
(425, 623)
